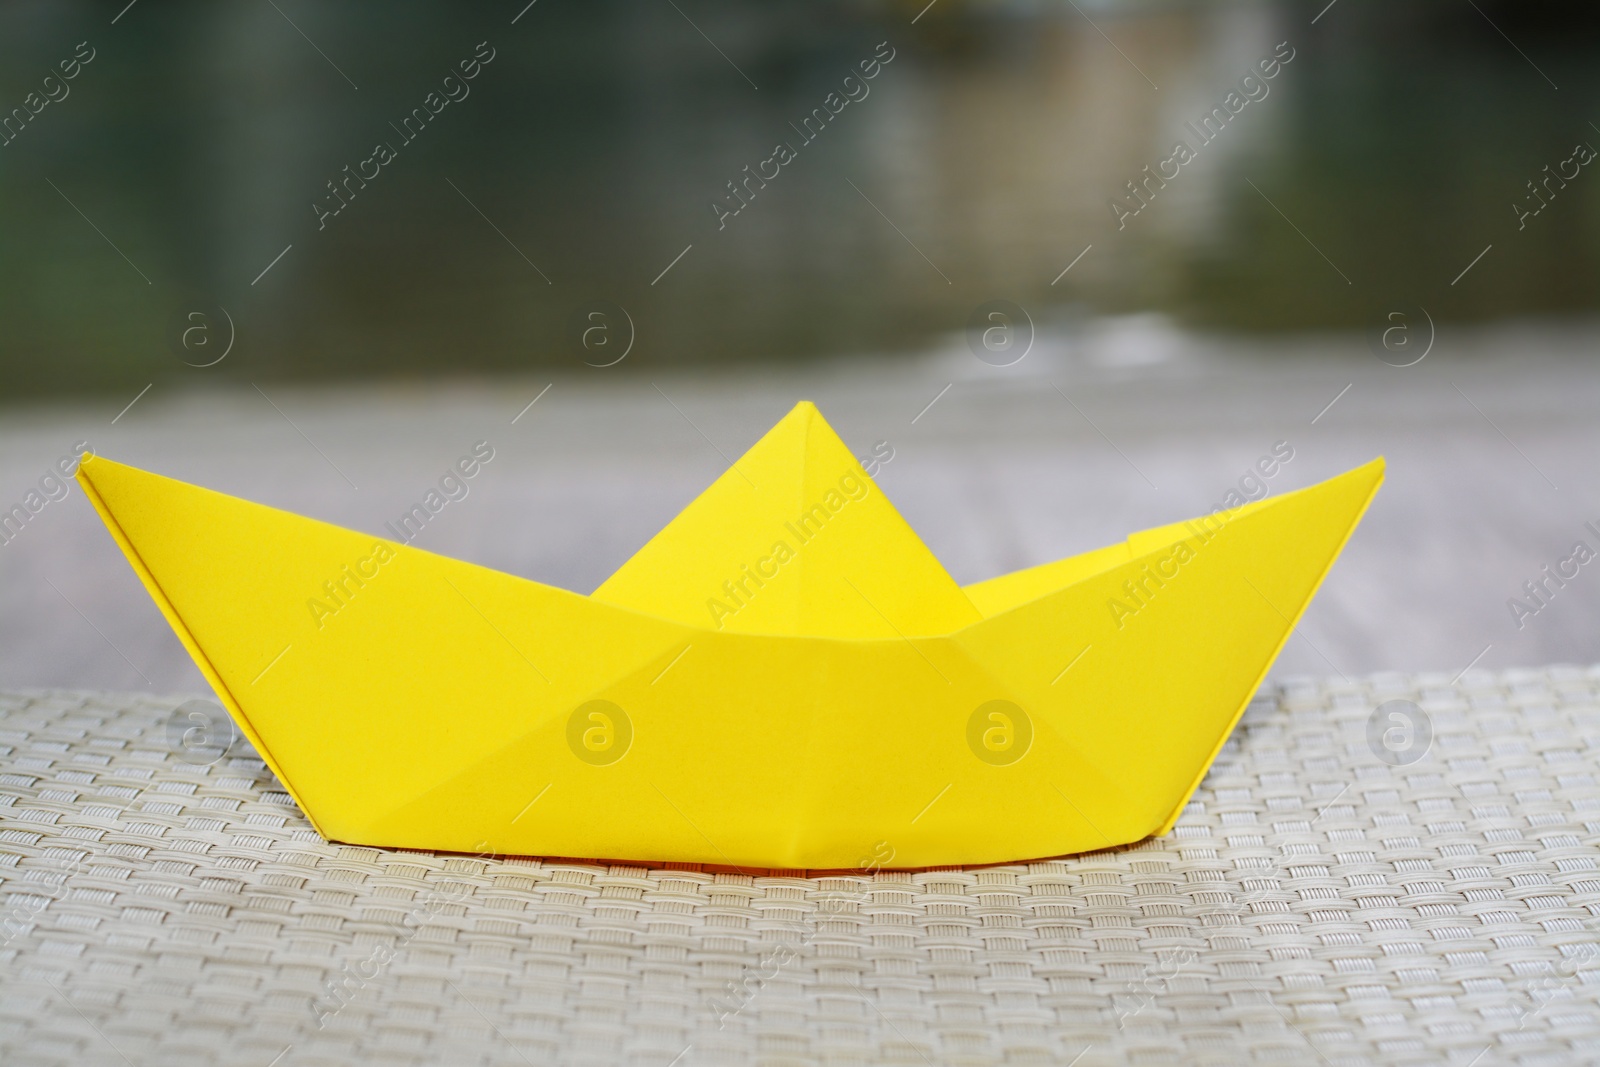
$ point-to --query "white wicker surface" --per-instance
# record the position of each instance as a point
(1314, 904)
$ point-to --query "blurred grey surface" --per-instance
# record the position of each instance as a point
(1125, 423)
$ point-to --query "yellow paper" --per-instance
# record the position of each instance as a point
(847, 699)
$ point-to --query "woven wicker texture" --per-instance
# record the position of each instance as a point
(1314, 905)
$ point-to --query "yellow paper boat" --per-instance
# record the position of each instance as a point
(783, 677)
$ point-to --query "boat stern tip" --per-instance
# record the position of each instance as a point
(80, 475)
(91, 466)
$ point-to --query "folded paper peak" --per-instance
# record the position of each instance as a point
(783, 677)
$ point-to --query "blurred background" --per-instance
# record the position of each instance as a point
(1389, 247)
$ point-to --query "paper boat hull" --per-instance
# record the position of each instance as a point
(448, 706)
